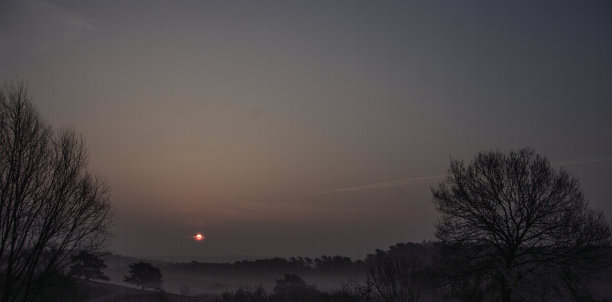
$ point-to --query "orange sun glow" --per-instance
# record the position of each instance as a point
(199, 237)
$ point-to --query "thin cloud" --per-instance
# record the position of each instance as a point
(386, 184)
(425, 179)
(34, 26)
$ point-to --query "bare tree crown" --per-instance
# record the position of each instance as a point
(50, 204)
(517, 212)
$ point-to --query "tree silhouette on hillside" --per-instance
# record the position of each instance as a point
(88, 266)
(144, 275)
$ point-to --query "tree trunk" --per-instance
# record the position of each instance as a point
(506, 292)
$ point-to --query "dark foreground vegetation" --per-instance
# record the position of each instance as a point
(404, 272)
(511, 228)
(424, 272)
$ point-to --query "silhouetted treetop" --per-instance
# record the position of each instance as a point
(50, 204)
(516, 212)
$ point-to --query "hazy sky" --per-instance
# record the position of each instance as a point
(286, 128)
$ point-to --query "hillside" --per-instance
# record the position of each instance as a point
(106, 292)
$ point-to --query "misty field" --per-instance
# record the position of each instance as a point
(417, 278)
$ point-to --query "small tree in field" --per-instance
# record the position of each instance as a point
(513, 214)
(144, 275)
(88, 266)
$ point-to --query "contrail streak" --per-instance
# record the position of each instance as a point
(386, 184)
(423, 179)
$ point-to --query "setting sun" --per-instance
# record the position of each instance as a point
(199, 237)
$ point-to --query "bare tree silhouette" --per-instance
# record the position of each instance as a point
(402, 273)
(50, 204)
(396, 278)
(515, 213)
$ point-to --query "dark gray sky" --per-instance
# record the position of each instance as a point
(282, 128)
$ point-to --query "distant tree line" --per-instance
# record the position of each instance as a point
(322, 265)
